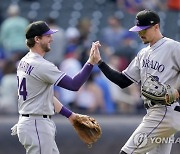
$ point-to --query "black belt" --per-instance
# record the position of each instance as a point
(44, 116)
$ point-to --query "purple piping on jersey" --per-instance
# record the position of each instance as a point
(151, 130)
(159, 45)
(130, 77)
(152, 51)
(38, 137)
(59, 79)
(77, 81)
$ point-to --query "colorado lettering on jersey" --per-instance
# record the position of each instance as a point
(153, 64)
(25, 67)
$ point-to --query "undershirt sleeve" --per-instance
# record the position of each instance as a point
(115, 76)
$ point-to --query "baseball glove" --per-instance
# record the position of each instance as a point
(157, 92)
(87, 128)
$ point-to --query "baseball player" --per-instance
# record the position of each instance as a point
(36, 78)
(159, 59)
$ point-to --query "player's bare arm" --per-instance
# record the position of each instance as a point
(58, 107)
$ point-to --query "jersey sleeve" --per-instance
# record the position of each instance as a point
(48, 72)
(176, 55)
(133, 70)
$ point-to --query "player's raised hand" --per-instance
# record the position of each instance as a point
(94, 49)
(96, 54)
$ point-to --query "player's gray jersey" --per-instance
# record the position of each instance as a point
(36, 78)
(161, 60)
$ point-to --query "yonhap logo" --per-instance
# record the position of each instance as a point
(160, 140)
(140, 140)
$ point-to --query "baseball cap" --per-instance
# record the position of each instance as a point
(144, 20)
(38, 28)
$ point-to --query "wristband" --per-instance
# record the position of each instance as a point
(65, 112)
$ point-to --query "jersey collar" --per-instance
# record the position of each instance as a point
(34, 53)
(158, 44)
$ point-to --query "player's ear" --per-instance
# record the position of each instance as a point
(156, 26)
(36, 39)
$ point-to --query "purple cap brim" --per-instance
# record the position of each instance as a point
(51, 31)
(138, 28)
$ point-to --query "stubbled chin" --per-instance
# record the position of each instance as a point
(49, 49)
(49, 46)
(144, 40)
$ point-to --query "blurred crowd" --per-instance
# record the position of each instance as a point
(133, 6)
(69, 52)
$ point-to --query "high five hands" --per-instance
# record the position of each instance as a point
(94, 56)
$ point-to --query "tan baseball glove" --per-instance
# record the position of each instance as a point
(158, 92)
(87, 129)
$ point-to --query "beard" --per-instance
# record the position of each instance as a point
(144, 40)
(45, 47)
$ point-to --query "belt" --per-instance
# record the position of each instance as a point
(44, 116)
